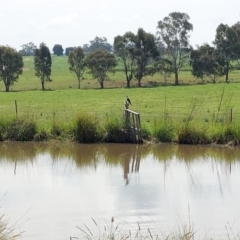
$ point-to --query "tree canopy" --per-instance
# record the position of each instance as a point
(99, 63)
(77, 65)
(27, 49)
(206, 62)
(11, 64)
(58, 50)
(98, 43)
(68, 50)
(43, 64)
(173, 32)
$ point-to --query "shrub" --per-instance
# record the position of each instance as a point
(85, 130)
(20, 129)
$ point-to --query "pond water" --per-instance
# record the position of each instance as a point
(49, 191)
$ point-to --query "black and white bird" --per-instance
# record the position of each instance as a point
(128, 100)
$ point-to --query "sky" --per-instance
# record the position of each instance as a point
(76, 22)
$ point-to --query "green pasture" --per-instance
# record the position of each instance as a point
(154, 101)
(63, 79)
(202, 103)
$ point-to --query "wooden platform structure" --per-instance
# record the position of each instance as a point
(133, 124)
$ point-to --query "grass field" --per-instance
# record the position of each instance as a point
(62, 101)
(63, 79)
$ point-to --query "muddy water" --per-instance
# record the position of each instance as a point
(48, 190)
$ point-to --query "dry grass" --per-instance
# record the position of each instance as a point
(117, 231)
(7, 231)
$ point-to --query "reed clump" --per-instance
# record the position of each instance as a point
(19, 129)
(229, 134)
(192, 134)
(164, 132)
(86, 129)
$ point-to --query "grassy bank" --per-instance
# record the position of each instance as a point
(87, 128)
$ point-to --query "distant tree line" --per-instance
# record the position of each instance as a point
(138, 55)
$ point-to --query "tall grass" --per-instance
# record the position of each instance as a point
(164, 131)
(114, 129)
(19, 129)
(6, 231)
(86, 129)
(193, 134)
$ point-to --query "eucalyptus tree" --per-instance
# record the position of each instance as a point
(145, 51)
(58, 50)
(11, 66)
(173, 31)
(206, 62)
(100, 63)
(77, 65)
(28, 49)
(226, 42)
(236, 28)
(43, 64)
(124, 48)
(68, 50)
(98, 43)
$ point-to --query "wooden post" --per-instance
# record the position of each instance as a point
(132, 124)
(16, 107)
(231, 115)
(134, 128)
(139, 128)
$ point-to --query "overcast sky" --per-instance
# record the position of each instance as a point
(76, 22)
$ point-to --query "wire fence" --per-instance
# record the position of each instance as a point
(62, 111)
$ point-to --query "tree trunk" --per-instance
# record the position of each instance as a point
(128, 83)
(139, 82)
(78, 83)
(227, 71)
(43, 88)
(101, 84)
(7, 87)
(176, 78)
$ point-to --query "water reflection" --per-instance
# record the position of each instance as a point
(126, 155)
(67, 184)
(84, 154)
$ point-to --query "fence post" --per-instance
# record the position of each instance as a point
(231, 115)
(16, 107)
(132, 124)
